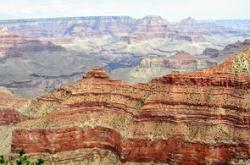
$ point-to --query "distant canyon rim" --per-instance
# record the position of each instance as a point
(40, 55)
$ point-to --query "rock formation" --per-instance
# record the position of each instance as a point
(228, 51)
(156, 66)
(122, 45)
(11, 113)
(182, 118)
(150, 27)
(32, 46)
(7, 40)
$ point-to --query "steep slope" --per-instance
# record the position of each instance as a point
(34, 67)
(228, 51)
(239, 63)
(182, 118)
(11, 112)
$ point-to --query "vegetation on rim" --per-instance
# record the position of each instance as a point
(22, 159)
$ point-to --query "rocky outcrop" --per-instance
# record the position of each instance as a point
(181, 118)
(156, 66)
(183, 61)
(10, 116)
(150, 27)
(8, 100)
(10, 107)
(239, 63)
(7, 40)
(228, 51)
(11, 113)
(53, 141)
(210, 52)
(13, 45)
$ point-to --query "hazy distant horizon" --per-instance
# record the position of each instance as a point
(65, 17)
(170, 10)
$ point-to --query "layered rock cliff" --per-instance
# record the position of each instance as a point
(7, 40)
(180, 61)
(11, 113)
(228, 51)
(150, 27)
(116, 43)
(181, 118)
(156, 66)
(147, 28)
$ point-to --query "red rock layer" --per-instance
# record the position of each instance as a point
(223, 75)
(158, 102)
(10, 116)
(195, 118)
(207, 79)
(8, 108)
(173, 150)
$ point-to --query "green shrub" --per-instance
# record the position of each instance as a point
(22, 159)
(241, 65)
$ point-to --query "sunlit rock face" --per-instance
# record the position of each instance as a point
(182, 118)
(39, 55)
(150, 27)
(198, 117)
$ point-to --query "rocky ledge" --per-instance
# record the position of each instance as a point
(182, 118)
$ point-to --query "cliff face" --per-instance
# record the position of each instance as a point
(181, 61)
(116, 43)
(228, 51)
(7, 40)
(147, 28)
(195, 27)
(150, 27)
(11, 113)
(182, 118)
(156, 66)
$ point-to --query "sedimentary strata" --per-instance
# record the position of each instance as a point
(182, 118)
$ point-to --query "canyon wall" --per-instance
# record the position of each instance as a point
(182, 118)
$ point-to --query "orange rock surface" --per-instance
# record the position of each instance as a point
(182, 118)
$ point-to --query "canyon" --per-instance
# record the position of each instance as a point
(123, 90)
(39, 55)
(198, 117)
